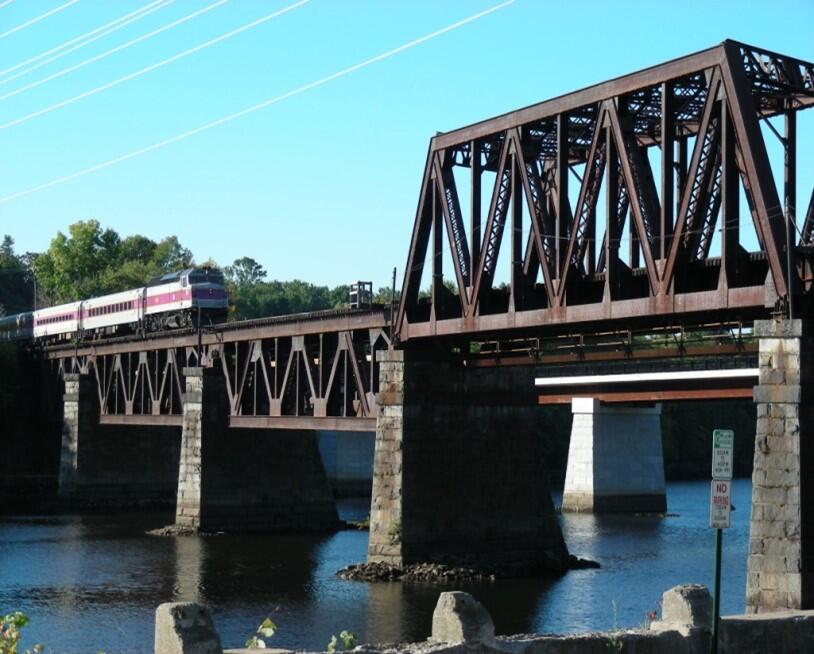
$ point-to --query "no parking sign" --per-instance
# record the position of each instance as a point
(720, 501)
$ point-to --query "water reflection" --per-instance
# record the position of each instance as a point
(95, 580)
(386, 613)
(189, 560)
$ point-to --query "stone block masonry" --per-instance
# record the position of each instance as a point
(245, 479)
(615, 461)
(459, 468)
(73, 423)
(780, 568)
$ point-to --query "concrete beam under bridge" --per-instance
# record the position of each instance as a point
(615, 461)
(650, 386)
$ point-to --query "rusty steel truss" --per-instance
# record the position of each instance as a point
(305, 372)
(620, 202)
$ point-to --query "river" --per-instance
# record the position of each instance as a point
(92, 582)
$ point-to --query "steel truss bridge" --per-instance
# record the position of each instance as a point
(621, 206)
(668, 149)
(308, 371)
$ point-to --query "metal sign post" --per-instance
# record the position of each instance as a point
(720, 504)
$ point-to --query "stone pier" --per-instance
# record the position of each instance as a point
(78, 423)
(112, 464)
(780, 568)
(615, 462)
(245, 479)
(459, 468)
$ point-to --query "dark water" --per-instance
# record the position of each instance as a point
(93, 582)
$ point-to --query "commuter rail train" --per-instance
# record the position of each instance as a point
(171, 301)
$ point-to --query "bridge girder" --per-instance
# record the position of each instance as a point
(313, 373)
(699, 119)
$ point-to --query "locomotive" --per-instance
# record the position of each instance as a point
(171, 301)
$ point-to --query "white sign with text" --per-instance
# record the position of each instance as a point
(720, 501)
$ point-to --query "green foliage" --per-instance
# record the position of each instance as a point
(382, 296)
(10, 626)
(245, 272)
(266, 630)
(93, 261)
(346, 641)
(16, 280)
(614, 643)
(251, 296)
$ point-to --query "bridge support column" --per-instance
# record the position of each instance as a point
(245, 479)
(79, 419)
(459, 469)
(615, 462)
(780, 567)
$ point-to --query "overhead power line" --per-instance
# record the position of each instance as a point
(257, 107)
(112, 51)
(83, 39)
(28, 23)
(154, 66)
(5, 3)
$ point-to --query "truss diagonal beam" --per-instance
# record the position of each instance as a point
(495, 224)
(586, 203)
(644, 208)
(758, 170)
(456, 233)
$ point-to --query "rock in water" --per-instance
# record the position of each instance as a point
(460, 618)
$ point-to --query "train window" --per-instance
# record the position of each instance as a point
(206, 275)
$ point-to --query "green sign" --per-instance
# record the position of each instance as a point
(723, 441)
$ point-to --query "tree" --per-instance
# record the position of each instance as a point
(71, 267)
(252, 296)
(170, 255)
(16, 280)
(7, 247)
(382, 296)
(137, 248)
(92, 261)
(244, 272)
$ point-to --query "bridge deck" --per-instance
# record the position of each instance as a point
(299, 324)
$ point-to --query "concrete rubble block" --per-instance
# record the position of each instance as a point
(185, 628)
(460, 618)
(684, 608)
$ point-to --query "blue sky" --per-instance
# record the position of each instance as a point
(321, 186)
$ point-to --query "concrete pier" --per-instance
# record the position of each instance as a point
(459, 472)
(780, 567)
(245, 479)
(615, 461)
(348, 460)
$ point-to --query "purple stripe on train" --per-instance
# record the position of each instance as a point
(153, 301)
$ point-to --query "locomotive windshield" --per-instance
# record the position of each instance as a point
(206, 275)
